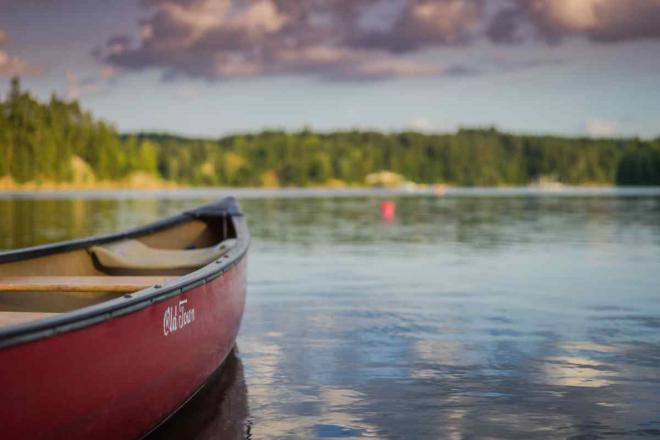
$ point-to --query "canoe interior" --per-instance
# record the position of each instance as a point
(38, 287)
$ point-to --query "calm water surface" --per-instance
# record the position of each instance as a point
(500, 317)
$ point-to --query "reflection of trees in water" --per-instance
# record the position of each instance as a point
(28, 222)
(475, 221)
(218, 411)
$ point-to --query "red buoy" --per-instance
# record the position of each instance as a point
(387, 210)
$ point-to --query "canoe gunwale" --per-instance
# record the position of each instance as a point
(132, 302)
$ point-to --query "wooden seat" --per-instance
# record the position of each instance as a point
(133, 255)
(118, 284)
(10, 318)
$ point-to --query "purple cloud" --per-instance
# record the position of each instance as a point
(355, 40)
(599, 20)
(331, 39)
(425, 24)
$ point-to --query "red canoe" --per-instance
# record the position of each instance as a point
(106, 337)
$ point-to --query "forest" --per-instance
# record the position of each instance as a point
(59, 142)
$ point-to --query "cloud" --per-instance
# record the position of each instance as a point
(15, 66)
(186, 92)
(355, 40)
(598, 20)
(78, 87)
(420, 124)
(602, 128)
(330, 39)
(424, 24)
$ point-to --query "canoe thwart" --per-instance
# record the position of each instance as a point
(119, 284)
(10, 318)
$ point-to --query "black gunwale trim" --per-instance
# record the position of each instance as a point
(133, 302)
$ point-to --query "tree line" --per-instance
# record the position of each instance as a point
(40, 142)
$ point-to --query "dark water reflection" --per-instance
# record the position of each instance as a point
(218, 411)
(500, 317)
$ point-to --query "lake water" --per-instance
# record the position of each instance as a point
(515, 315)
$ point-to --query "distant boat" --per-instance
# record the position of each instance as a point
(161, 307)
(546, 182)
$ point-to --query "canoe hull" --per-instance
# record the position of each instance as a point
(121, 377)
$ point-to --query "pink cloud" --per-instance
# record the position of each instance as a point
(602, 128)
(78, 87)
(14, 66)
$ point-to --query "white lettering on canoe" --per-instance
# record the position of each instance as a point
(177, 317)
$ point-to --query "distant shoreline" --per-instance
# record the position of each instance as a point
(74, 151)
(291, 192)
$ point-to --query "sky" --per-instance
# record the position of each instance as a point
(213, 67)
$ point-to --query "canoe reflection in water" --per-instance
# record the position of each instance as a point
(218, 411)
